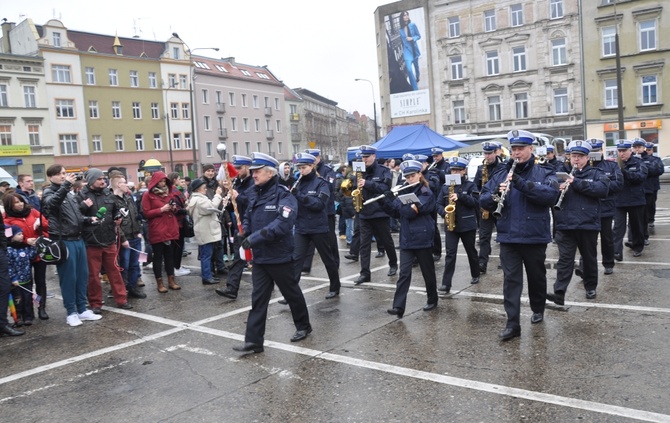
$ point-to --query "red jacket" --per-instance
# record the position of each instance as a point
(162, 226)
(27, 225)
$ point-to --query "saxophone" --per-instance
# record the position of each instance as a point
(485, 179)
(357, 195)
(450, 209)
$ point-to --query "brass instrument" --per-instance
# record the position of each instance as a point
(501, 199)
(450, 209)
(485, 179)
(345, 187)
(557, 206)
(357, 194)
(396, 189)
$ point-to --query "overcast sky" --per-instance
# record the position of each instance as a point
(318, 45)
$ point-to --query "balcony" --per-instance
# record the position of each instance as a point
(268, 111)
(270, 134)
(220, 108)
(223, 133)
(295, 117)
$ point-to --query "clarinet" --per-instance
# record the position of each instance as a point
(498, 213)
(557, 206)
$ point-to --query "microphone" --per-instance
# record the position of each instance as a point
(101, 212)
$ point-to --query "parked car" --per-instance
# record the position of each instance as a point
(666, 175)
(5, 176)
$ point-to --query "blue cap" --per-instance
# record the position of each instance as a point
(649, 145)
(313, 151)
(368, 150)
(410, 166)
(490, 146)
(579, 147)
(408, 156)
(596, 143)
(638, 142)
(420, 158)
(304, 158)
(550, 148)
(458, 163)
(436, 150)
(520, 138)
(260, 160)
(623, 144)
(241, 160)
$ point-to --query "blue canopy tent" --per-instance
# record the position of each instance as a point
(416, 139)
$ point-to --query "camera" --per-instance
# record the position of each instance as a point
(172, 203)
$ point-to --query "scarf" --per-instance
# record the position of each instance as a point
(161, 192)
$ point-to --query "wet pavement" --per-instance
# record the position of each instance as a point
(170, 359)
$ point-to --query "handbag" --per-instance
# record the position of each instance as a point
(187, 230)
(50, 251)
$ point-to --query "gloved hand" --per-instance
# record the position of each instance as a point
(245, 243)
(516, 178)
(390, 195)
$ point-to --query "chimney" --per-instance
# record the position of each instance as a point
(6, 29)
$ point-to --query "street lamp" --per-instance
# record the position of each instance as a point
(221, 149)
(167, 119)
(374, 104)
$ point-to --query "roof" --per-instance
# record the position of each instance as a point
(303, 92)
(290, 95)
(104, 44)
(229, 68)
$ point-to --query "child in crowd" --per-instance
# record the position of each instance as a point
(19, 256)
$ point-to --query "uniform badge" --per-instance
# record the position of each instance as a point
(286, 212)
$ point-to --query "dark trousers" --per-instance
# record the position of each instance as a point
(651, 206)
(235, 270)
(321, 241)
(264, 277)
(485, 233)
(5, 288)
(514, 257)
(40, 279)
(217, 257)
(437, 240)
(635, 215)
(163, 252)
(332, 244)
(568, 243)
(355, 247)
(177, 250)
(379, 227)
(342, 225)
(23, 301)
(427, 265)
(607, 241)
(451, 246)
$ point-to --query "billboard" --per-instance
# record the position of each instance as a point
(407, 63)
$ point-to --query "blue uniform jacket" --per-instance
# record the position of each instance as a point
(416, 229)
(313, 195)
(655, 169)
(269, 222)
(377, 181)
(580, 208)
(329, 175)
(634, 173)
(467, 205)
(525, 217)
(490, 169)
(613, 173)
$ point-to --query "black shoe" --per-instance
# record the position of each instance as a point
(436, 257)
(96, 310)
(10, 331)
(299, 335)
(618, 257)
(393, 270)
(18, 323)
(646, 242)
(509, 333)
(359, 280)
(536, 318)
(249, 348)
(591, 294)
(579, 272)
(228, 293)
(42, 314)
(628, 244)
(637, 253)
(444, 288)
(126, 306)
(135, 292)
(609, 270)
(28, 322)
(556, 298)
(210, 281)
(474, 281)
(332, 294)
(396, 312)
(482, 268)
(351, 257)
(221, 272)
(282, 302)
(379, 254)
(429, 307)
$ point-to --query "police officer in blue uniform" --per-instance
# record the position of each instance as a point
(440, 165)
(655, 184)
(651, 185)
(372, 218)
(465, 199)
(630, 202)
(435, 178)
(551, 158)
(242, 192)
(487, 222)
(268, 230)
(311, 226)
(416, 236)
(577, 218)
(523, 227)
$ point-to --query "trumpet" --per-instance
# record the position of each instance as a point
(450, 209)
(395, 190)
(501, 200)
(557, 206)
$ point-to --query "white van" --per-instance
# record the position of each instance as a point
(5, 176)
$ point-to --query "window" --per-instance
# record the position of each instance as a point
(276, 103)
(231, 99)
(494, 107)
(233, 124)
(556, 9)
(158, 142)
(116, 109)
(257, 125)
(278, 125)
(558, 53)
(516, 12)
(244, 100)
(155, 114)
(454, 27)
(205, 96)
(137, 110)
(208, 148)
(608, 38)
(247, 148)
(254, 100)
(3, 95)
(29, 96)
(90, 76)
(134, 79)
(245, 124)
(56, 39)
(647, 35)
(259, 146)
(208, 123)
(64, 108)
(152, 80)
(172, 80)
(60, 73)
(34, 134)
(5, 135)
(118, 142)
(459, 111)
(113, 77)
(519, 58)
(182, 82)
(649, 84)
(219, 97)
(222, 122)
(492, 63)
(174, 110)
(266, 102)
(96, 142)
(561, 101)
(611, 94)
(187, 141)
(279, 147)
(490, 20)
(521, 105)
(175, 53)
(93, 111)
(185, 110)
(456, 67)
(68, 144)
(176, 141)
(270, 152)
